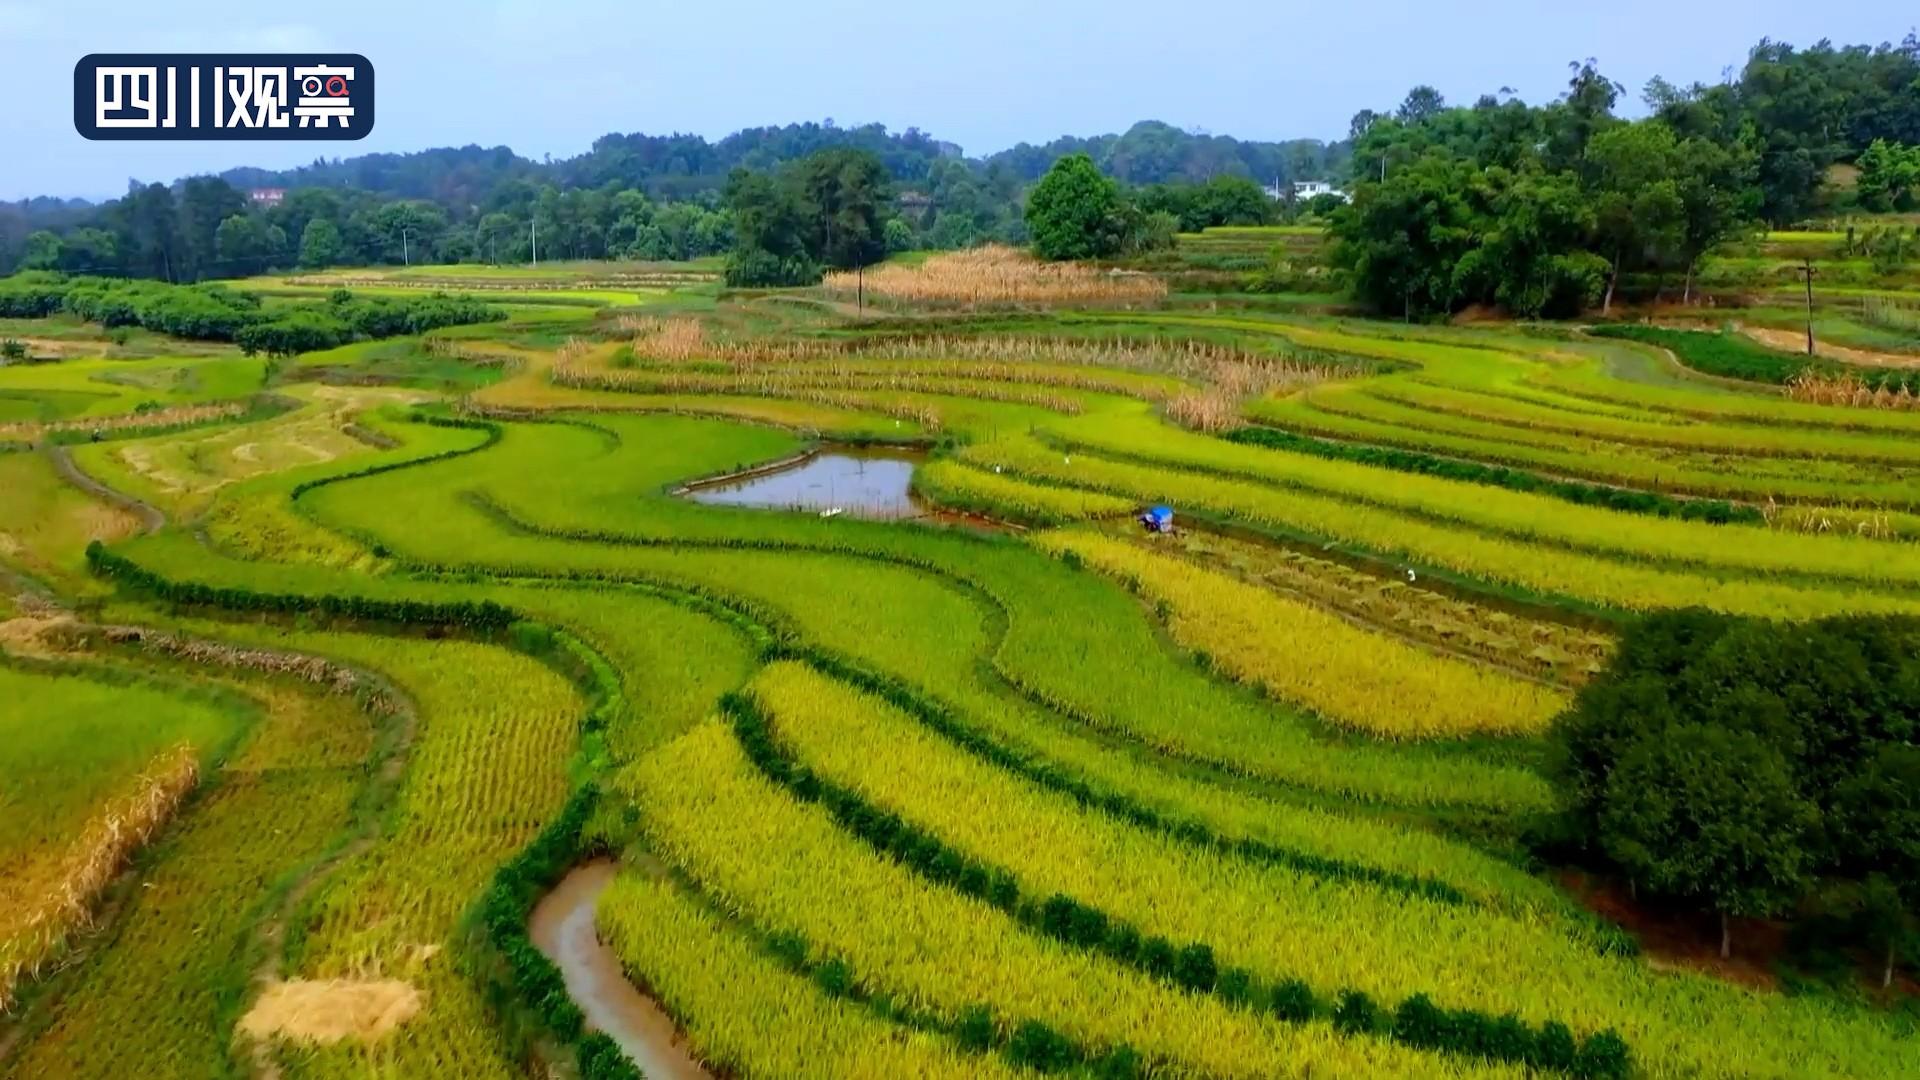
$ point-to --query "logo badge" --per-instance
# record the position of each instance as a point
(225, 96)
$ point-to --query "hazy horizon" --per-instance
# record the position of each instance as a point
(987, 78)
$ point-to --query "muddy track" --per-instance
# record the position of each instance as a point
(151, 519)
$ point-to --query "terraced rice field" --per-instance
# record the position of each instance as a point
(1012, 788)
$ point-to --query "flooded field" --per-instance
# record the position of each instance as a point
(871, 482)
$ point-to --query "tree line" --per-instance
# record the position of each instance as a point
(630, 196)
(1544, 211)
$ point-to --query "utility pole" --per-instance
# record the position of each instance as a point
(533, 226)
(1808, 273)
(860, 288)
(406, 256)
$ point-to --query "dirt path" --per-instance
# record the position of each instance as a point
(151, 519)
(562, 927)
(1796, 342)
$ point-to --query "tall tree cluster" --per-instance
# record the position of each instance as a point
(1078, 212)
(1564, 202)
(829, 210)
(1758, 768)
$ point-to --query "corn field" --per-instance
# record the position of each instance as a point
(995, 275)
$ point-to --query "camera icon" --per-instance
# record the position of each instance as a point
(332, 86)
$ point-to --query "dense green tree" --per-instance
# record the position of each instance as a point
(1638, 215)
(245, 243)
(1890, 176)
(844, 194)
(43, 251)
(1422, 104)
(205, 202)
(321, 245)
(1223, 200)
(1402, 240)
(1530, 258)
(1076, 212)
(147, 225)
(1703, 814)
(771, 227)
(1718, 199)
(1877, 822)
(1748, 765)
(1582, 114)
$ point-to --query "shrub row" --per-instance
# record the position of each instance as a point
(1053, 778)
(1191, 966)
(535, 980)
(1030, 1044)
(493, 431)
(507, 905)
(480, 617)
(216, 313)
(781, 642)
(1626, 500)
(1731, 356)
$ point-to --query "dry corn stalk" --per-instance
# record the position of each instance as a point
(184, 414)
(1000, 275)
(1849, 390)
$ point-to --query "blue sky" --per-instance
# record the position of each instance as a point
(548, 76)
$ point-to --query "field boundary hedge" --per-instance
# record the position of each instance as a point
(1581, 493)
(1191, 966)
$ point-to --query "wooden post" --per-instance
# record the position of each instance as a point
(1807, 271)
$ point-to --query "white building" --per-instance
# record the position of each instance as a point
(1307, 189)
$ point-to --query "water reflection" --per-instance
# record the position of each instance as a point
(870, 482)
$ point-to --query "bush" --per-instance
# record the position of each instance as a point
(976, 1030)
(1355, 1013)
(1195, 969)
(1603, 1056)
(1120, 1063)
(601, 1058)
(1293, 1000)
(295, 332)
(1038, 1047)
(1236, 986)
(1554, 1048)
(756, 268)
(1418, 1022)
(834, 978)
